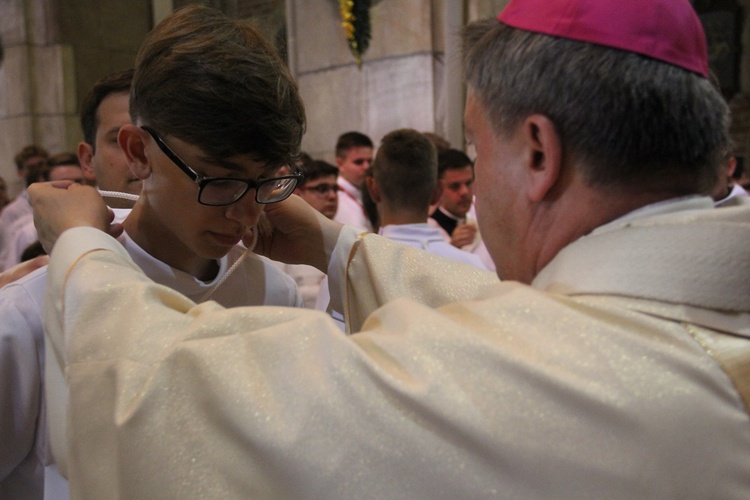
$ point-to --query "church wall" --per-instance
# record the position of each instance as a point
(54, 50)
(396, 86)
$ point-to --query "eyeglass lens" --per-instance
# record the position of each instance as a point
(227, 191)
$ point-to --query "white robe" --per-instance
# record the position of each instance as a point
(350, 210)
(588, 384)
(16, 209)
(308, 281)
(430, 239)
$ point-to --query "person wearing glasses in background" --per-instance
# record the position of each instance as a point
(207, 147)
(353, 157)
(320, 191)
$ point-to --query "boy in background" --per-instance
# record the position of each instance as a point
(104, 110)
(319, 190)
(354, 152)
(403, 185)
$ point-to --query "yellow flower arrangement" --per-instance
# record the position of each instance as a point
(355, 19)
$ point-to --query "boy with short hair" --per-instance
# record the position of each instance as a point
(206, 145)
(403, 185)
(320, 189)
(353, 157)
(104, 110)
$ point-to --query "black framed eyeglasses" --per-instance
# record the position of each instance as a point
(220, 191)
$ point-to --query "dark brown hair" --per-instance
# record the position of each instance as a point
(29, 152)
(405, 169)
(218, 84)
(111, 84)
(351, 140)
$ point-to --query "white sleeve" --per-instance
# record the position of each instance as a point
(20, 376)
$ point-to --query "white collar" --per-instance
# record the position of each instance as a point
(637, 256)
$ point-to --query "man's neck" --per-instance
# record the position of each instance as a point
(148, 233)
(582, 210)
(348, 186)
(398, 217)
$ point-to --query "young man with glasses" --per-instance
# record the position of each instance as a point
(206, 147)
(319, 190)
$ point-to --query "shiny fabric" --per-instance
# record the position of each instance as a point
(27, 467)
(588, 384)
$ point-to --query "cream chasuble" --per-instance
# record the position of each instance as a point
(592, 383)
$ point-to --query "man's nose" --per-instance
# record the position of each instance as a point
(246, 210)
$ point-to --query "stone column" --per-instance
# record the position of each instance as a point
(54, 52)
(37, 94)
(397, 86)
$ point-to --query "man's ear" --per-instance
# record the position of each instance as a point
(544, 156)
(132, 140)
(437, 194)
(372, 188)
(731, 165)
(86, 158)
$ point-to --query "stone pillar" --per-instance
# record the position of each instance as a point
(54, 52)
(481, 9)
(410, 76)
(397, 86)
(37, 94)
(740, 103)
(449, 120)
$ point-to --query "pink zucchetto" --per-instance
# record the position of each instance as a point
(666, 30)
